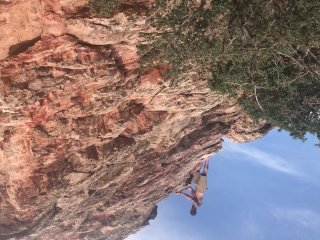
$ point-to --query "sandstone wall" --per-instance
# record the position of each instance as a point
(88, 144)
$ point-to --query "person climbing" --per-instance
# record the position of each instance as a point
(200, 181)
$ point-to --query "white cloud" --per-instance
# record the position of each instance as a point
(258, 156)
(250, 229)
(304, 217)
(163, 231)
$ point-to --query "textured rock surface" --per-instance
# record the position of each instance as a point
(20, 25)
(87, 145)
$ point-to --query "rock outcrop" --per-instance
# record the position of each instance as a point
(88, 144)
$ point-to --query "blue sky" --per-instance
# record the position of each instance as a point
(262, 190)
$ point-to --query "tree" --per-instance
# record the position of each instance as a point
(265, 52)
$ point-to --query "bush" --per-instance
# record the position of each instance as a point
(102, 8)
(266, 52)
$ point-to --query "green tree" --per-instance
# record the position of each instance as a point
(266, 52)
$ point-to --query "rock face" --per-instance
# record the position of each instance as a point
(88, 145)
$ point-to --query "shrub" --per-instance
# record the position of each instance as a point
(266, 52)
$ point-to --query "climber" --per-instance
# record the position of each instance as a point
(200, 181)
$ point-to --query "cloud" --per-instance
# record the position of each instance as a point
(250, 229)
(162, 231)
(304, 217)
(271, 161)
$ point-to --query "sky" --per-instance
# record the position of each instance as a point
(262, 190)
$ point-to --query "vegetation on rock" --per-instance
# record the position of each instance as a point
(266, 52)
(103, 8)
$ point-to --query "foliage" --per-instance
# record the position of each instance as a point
(102, 8)
(264, 51)
(187, 39)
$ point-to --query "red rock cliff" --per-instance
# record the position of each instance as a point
(87, 145)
